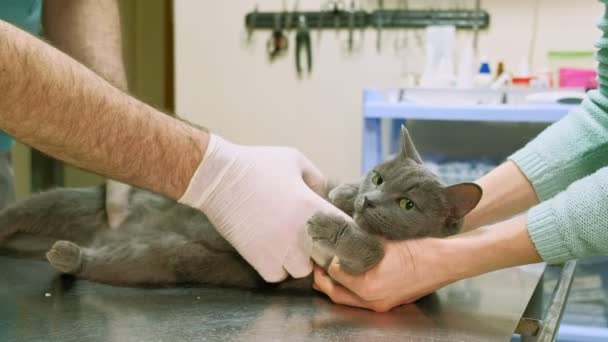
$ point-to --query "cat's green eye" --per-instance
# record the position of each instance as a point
(406, 203)
(376, 179)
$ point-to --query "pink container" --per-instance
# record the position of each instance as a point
(577, 78)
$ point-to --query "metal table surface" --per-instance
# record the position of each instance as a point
(37, 304)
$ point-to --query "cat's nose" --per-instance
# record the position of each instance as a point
(367, 203)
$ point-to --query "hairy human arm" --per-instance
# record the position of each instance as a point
(52, 102)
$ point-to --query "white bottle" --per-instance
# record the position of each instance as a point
(484, 76)
(466, 68)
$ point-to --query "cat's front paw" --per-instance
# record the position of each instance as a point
(343, 197)
(65, 256)
(324, 230)
(334, 235)
(359, 252)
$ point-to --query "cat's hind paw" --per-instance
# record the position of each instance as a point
(65, 256)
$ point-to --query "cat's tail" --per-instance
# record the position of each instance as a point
(30, 227)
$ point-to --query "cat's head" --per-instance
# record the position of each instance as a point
(401, 199)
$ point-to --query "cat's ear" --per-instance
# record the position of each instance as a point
(408, 150)
(462, 198)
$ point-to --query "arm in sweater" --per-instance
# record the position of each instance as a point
(574, 223)
(569, 153)
(575, 146)
(570, 149)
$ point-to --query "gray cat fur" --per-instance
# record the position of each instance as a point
(164, 243)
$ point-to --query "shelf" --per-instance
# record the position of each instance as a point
(398, 107)
(500, 113)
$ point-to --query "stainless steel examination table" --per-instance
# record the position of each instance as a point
(37, 304)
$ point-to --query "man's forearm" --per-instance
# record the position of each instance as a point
(55, 104)
(90, 32)
(506, 192)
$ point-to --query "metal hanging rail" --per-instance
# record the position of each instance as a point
(338, 19)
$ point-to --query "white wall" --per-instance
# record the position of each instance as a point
(226, 85)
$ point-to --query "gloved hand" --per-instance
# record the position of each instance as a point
(259, 198)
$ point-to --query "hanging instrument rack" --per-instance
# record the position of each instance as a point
(341, 18)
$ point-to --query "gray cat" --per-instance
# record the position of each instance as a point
(162, 242)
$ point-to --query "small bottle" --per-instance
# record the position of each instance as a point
(484, 76)
(500, 69)
(521, 78)
(545, 77)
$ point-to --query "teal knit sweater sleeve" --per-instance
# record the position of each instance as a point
(566, 166)
(574, 223)
(568, 150)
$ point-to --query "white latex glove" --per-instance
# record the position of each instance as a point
(259, 198)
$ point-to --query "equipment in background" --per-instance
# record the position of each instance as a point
(335, 7)
(353, 45)
(439, 63)
(476, 31)
(249, 38)
(338, 18)
(335, 15)
(303, 42)
(379, 21)
(277, 43)
(351, 25)
(484, 76)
